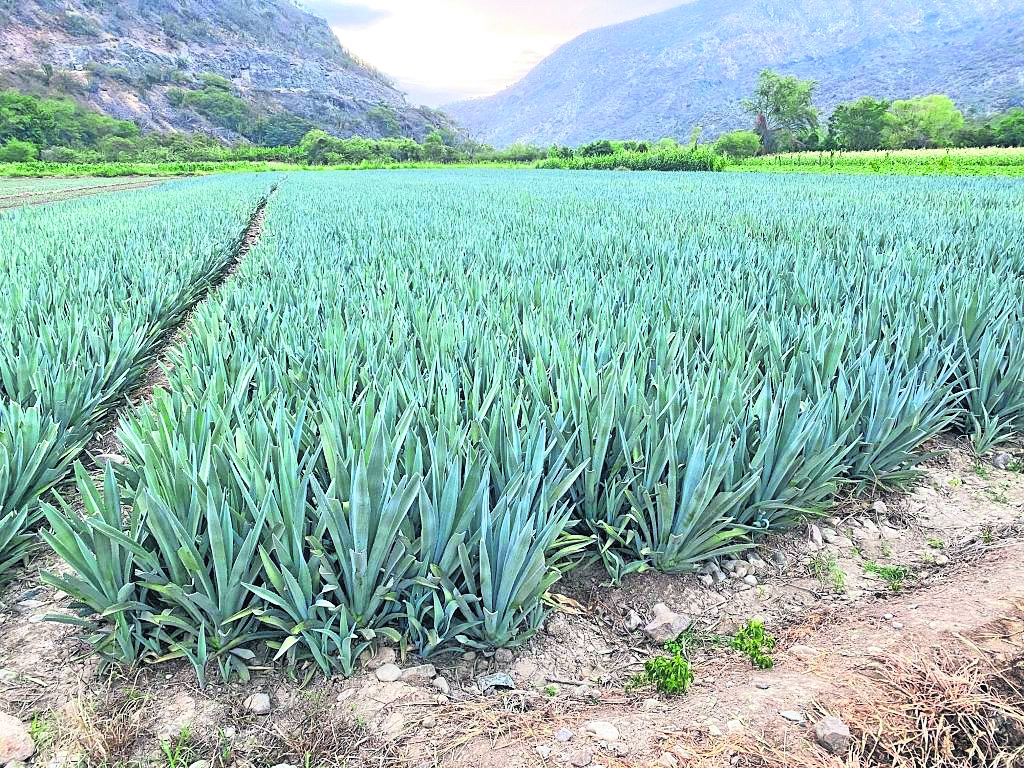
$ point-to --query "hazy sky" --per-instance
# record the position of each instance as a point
(443, 50)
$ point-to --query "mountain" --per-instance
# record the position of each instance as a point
(229, 67)
(662, 75)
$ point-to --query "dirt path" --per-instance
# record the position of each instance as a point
(30, 198)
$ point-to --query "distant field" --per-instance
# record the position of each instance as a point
(916, 162)
(15, 192)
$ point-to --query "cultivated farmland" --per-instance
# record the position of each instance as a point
(424, 397)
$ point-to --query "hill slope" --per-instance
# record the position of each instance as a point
(140, 60)
(661, 75)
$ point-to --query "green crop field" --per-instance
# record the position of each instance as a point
(424, 395)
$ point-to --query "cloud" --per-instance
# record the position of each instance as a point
(346, 15)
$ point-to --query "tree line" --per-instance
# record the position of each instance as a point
(786, 120)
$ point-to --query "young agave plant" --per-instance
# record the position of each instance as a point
(995, 395)
(105, 551)
(519, 547)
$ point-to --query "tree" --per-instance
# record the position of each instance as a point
(927, 121)
(15, 151)
(1009, 129)
(738, 144)
(858, 125)
(782, 110)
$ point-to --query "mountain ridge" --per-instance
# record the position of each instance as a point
(132, 58)
(662, 74)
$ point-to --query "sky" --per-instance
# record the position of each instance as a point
(440, 51)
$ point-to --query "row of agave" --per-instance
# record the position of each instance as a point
(88, 291)
(424, 396)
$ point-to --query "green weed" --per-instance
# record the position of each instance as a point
(895, 576)
(936, 543)
(756, 644)
(825, 568)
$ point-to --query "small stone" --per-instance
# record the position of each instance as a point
(833, 734)
(652, 705)
(442, 685)
(564, 735)
(422, 673)
(897, 625)
(714, 730)
(941, 560)
(734, 727)
(15, 740)
(762, 686)
(874, 650)
(888, 617)
(666, 625)
(580, 758)
(388, 673)
(633, 620)
(469, 656)
(429, 722)
(803, 652)
(487, 683)
(31, 604)
(206, 764)
(229, 732)
(384, 655)
(504, 656)
(1002, 460)
(544, 750)
(601, 730)
(751, 580)
(880, 508)
(814, 536)
(258, 704)
(707, 580)
(668, 760)
(792, 715)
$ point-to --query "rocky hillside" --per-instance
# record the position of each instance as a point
(231, 67)
(663, 74)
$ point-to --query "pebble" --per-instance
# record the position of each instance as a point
(652, 705)
(544, 750)
(941, 560)
(666, 625)
(833, 734)
(714, 730)
(668, 760)
(763, 686)
(751, 580)
(31, 604)
(888, 617)
(384, 655)
(734, 727)
(442, 685)
(601, 730)
(880, 507)
(422, 673)
(258, 704)
(564, 735)
(793, 716)
(633, 620)
(1002, 460)
(487, 683)
(16, 743)
(897, 625)
(580, 758)
(708, 581)
(504, 656)
(388, 673)
(429, 722)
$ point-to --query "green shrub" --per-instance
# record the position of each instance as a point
(739, 144)
(756, 644)
(15, 151)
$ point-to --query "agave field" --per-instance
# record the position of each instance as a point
(87, 292)
(425, 395)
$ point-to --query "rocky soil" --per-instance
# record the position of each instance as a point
(862, 604)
